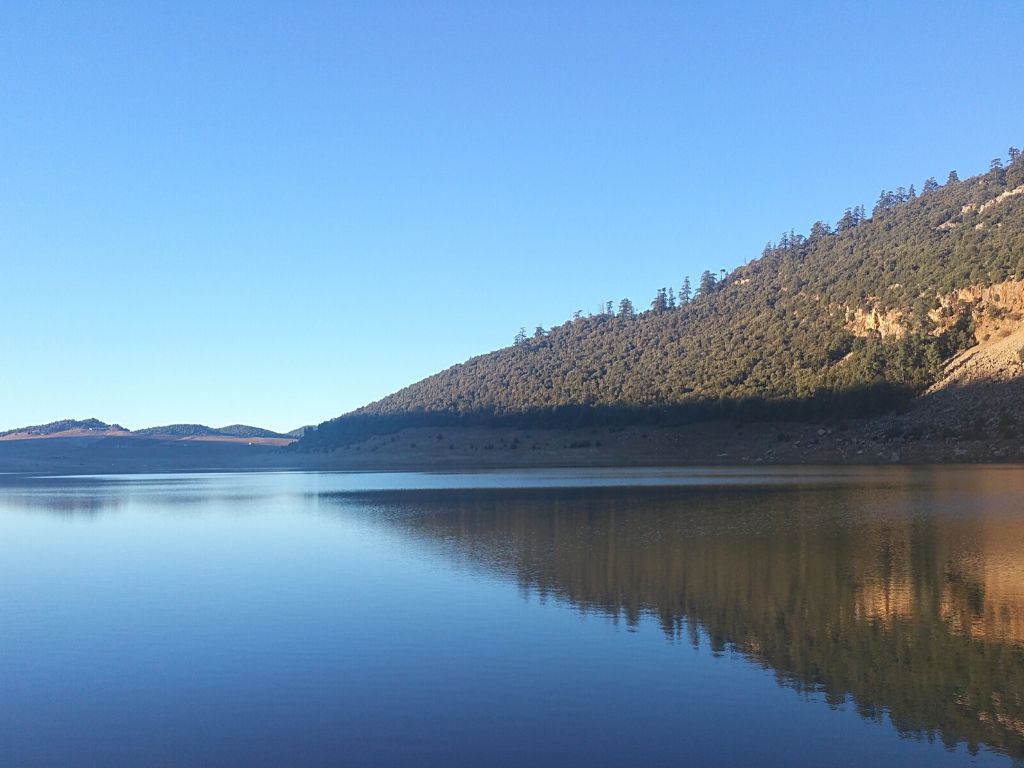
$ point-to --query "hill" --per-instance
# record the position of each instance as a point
(66, 427)
(200, 430)
(94, 428)
(849, 320)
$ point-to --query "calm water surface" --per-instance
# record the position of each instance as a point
(684, 617)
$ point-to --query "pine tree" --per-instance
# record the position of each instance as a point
(707, 283)
(685, 293)
(660, 301)
(626, 308)
(819, 230)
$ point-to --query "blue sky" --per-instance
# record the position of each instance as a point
(273, 213)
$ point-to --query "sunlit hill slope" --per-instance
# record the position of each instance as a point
(851, 319)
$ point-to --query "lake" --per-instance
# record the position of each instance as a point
(777, 617)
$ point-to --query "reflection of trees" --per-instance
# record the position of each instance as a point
(865, 595)
(63, 503)
(75, 497)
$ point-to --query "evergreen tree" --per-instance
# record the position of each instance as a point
(996, 167)
(685, 293)
(819, 230)
(707, 283)
(626, 308)
(660, 301)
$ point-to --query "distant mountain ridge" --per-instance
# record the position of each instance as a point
(65, 425)
(850, 320)
(95, 427)
(201, 430)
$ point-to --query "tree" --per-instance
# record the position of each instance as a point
(660, 302)
(1014, 155)
(671, 298)
(539, 332)
(520, 338)
(953, 178)
(847, 221)
(930, 185)
(685, 293)
(707, 283)
(626, 308)
(996, 167)
(886, 200)
(608, 308)
(819, 230)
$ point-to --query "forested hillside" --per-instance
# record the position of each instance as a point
(849, 319)
(200, 430)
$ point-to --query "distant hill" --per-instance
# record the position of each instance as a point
(244, 430)
(66, 426)
(200, 430)
(851, 319)
(97, 428)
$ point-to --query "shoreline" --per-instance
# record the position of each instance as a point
(705, 444)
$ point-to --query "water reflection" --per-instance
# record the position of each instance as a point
(906, 599)
(364, 615)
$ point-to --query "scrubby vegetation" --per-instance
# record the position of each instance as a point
(773, 338)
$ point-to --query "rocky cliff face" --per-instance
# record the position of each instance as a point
(981, 390)
(888, 324)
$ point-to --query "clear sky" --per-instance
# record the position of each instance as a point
(273, 213)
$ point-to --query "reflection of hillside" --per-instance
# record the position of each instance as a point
(857, 594)
(986, 583)
(67, 504)
(71, 498)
